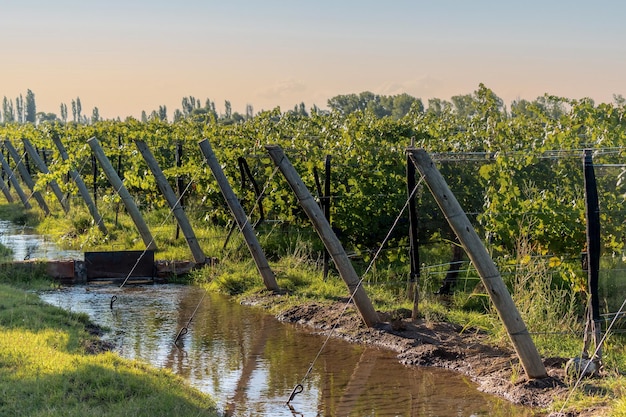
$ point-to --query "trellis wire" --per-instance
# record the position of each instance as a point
(357, 286)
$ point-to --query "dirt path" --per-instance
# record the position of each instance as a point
(496, 370)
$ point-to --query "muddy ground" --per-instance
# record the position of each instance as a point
(496, 370)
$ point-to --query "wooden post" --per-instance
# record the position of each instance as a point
(41, 165)
(323, 229)
(13, 181)
(489, 274)
(82, 188)
(173, 202)
(26, 176)
(128, 201)
(240, 217)
(5, 189)
(592, 213)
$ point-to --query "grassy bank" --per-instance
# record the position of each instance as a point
(52, 364)
(551, 311)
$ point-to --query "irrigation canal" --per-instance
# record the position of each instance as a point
(250, 362)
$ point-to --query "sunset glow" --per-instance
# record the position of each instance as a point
(129, 56)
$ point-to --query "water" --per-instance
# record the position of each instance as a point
(26, 244)
(249, 362)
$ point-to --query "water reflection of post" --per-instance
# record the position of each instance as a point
(177, 355)
(357, 384)
(249, 366)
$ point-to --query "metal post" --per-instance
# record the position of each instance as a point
(592, 213)
(414, 273)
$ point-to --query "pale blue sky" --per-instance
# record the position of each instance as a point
(134, 55)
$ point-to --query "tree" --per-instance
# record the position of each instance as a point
(163, 113)
(144, 116)
(178, 115)
(79, 109)
(30, 111)
(43, 117)
(64, 112)
(249, 112)
(344, 104)
(438, 106)
(302, 109)
(403, 103)
(396, 106)
(19, 106)
(8, 113)
(95, 115)
(74, 110)
(228, 111)
(464, 105)
(189, 105)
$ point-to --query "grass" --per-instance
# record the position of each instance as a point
(47, 367)
(550, 309)
(45, 371)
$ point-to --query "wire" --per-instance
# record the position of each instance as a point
(597, 349)
(162, 223)
(353, 293)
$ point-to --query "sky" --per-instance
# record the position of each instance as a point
(129, 56)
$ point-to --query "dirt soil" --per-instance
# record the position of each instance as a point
(496, 370)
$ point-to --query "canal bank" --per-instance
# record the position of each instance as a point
(53, 363)
(249, 361)
(430, 344)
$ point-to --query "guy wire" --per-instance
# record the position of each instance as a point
(359, 284)
(256, 203)
(162, 223)
(595, 352)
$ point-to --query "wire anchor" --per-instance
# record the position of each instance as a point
(296, 390)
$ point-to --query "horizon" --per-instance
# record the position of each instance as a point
(133, 56)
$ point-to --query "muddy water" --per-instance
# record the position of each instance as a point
(26, 244)
(250, 362)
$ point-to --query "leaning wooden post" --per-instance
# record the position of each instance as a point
(41, 165)
(82, 188)
(174, 203)
(240, 217)
(18, 188)
(5, 189)
(26, 176)
(324, 230)
(489, 274)
(127, 199)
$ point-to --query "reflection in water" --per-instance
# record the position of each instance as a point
(249, 362)
(25, 244)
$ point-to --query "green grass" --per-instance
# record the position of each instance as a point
(46, 368)
(550, 309)
(17, 214)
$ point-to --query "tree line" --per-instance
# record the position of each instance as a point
(24, 109)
